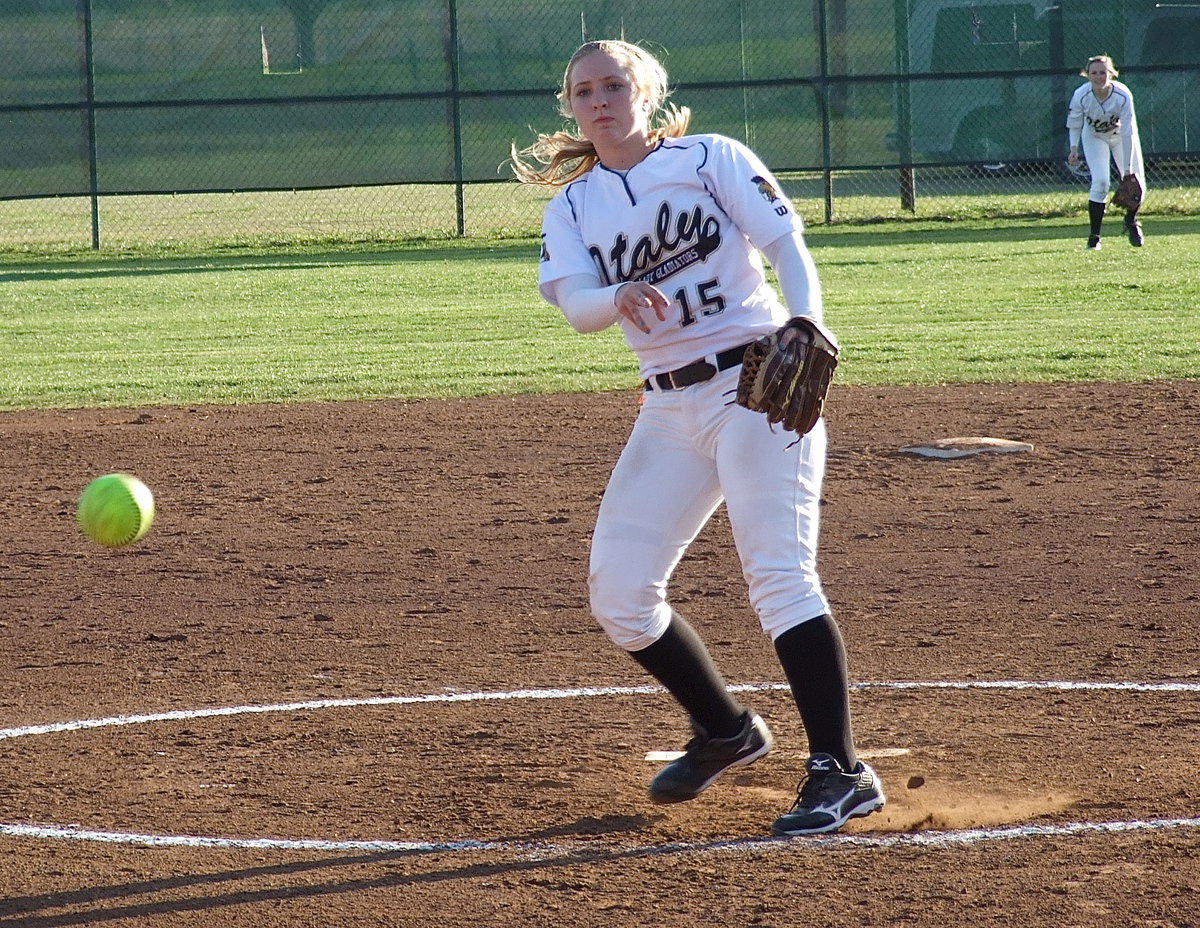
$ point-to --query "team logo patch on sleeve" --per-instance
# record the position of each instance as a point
(765, 188)
(545, 250)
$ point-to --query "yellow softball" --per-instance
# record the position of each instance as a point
(115, 510)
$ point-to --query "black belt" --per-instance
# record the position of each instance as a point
(697, 371)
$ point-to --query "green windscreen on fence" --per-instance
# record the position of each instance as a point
(146, 96)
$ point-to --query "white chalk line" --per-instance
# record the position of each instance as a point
(186, 714)
(74, 833)
(571, 693)
(533, 850)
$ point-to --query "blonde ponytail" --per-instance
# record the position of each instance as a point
(557, 159)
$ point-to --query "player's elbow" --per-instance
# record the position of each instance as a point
(586, 306)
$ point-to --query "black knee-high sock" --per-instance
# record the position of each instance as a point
(1096, 215)
(1131, 216)
(814, 659)
(680, 662)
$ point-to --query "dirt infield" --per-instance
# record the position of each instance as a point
(313, 566)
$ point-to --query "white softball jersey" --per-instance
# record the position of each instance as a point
(1105, 127)
(689, 219)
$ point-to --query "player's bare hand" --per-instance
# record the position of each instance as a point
(1073, 158)
(636, 300)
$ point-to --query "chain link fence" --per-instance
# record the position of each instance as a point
(133, 122)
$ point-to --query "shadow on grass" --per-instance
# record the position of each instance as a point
(919, 232)
(524, 250)
(124, 265)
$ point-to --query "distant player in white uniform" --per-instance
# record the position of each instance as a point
(661, 233)
(1101, 117)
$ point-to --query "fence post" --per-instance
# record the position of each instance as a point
(452, 53)
(89, 70)
(1058, 83)
(908, 179)
(823, 103)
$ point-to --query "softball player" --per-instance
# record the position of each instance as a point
(1101, 116)
(660, 233)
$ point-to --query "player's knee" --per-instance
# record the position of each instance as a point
(632, 631)
(779, 624)
(782, 610)
(633, 617)
(1099, 191)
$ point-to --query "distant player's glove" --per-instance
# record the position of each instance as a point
(1129, 193)
(787, 374)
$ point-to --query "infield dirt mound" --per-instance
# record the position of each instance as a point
(352, 550)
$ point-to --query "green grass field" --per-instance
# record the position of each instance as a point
(912, 302)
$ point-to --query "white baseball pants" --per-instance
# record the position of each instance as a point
(689, 450)
(1097, 152)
